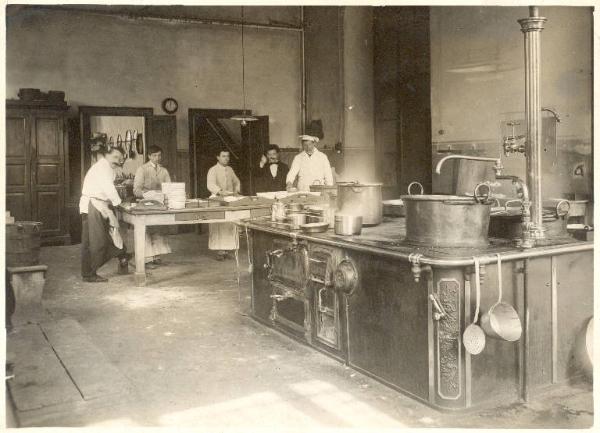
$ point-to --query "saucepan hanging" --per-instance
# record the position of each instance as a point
(501, 321)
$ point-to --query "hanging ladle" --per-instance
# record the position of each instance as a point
(474, 337)
(501, 321)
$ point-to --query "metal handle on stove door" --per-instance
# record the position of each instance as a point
(269, 264)
(321, 308)
(440, 313)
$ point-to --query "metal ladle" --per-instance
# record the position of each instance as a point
(474, 337)
(501, 321)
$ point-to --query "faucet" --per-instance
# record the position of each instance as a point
(510, 143)
(497, 166)
(528, 240)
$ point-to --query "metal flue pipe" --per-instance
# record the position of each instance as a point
(532, 28)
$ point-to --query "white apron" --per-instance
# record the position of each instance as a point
(223, 236)
(157, 242)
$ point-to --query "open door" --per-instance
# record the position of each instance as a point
(211, 130)
(255, 135)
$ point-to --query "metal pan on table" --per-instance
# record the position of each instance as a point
(318, 227)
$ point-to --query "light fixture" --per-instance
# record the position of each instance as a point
(243, 118)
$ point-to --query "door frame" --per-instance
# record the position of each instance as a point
(196, 113)
(86, 111)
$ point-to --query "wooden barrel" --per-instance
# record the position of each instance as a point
(23, 243)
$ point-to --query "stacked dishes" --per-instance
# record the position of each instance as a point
(175, 194)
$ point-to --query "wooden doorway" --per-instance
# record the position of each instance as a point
(212, 129)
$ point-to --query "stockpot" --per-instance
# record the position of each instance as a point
(447, 220)
(362, 199)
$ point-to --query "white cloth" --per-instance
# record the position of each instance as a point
(222, 236)
(156, 243)
(99, 183)
(222, 178)
(310, 170)
(113, 230)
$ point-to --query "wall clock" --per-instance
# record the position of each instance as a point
(170, 105)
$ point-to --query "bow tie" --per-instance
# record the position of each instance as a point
(273, 163)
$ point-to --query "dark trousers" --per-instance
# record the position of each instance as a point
(97, 247)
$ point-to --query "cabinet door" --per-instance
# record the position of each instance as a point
(18, 187)
(47, 171)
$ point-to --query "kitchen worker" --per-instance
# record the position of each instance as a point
(100, 238)
(148, 180)
(272, 172)
(221, 181)
(310, 166)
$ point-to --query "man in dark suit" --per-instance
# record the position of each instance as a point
(272, 172)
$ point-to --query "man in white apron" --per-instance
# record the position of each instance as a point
(148, 179)
(100, 238)
(310, 166)
(222, 181)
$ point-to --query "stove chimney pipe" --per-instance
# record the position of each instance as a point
(532, 28)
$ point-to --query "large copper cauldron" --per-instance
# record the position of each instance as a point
(447, 220)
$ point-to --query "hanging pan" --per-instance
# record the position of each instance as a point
(133, 141)
(474, 337)
(140, 144)
(501, 321)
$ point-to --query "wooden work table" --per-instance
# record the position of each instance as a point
(140, 219)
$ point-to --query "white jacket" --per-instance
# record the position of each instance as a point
(310, 169)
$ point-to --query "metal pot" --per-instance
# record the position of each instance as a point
(447, 220)
(361, 199)
(347, 225)
(295, 207)
(296, 220)
(330, 190)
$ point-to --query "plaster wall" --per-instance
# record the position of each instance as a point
(107, 60)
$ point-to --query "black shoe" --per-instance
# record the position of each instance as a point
(220, 257)
(159, 262)
(126, 256)
(151, 265)
(95, 279)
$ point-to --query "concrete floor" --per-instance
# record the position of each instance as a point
(194, 358)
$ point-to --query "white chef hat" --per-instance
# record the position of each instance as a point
(309, 138)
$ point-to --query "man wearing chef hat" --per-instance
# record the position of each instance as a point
(310, 166)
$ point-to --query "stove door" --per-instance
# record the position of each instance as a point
(287, 264)
(329, 319)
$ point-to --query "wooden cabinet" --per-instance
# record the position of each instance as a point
(36, 173)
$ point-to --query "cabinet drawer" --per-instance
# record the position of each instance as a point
(199, 216)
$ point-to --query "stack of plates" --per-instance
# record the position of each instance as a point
(175, 194)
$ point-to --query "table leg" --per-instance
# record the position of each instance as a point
(139, 233)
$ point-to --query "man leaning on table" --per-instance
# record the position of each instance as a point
(221, 181)
(100, 238)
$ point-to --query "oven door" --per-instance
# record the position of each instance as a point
(329, 317)
(287, 264)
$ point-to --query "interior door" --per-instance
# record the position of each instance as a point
(255, 136)
(164, 134)
(18, 186)
(47, 171)
(213, 129)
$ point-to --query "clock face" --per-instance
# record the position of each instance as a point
(170, 105)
